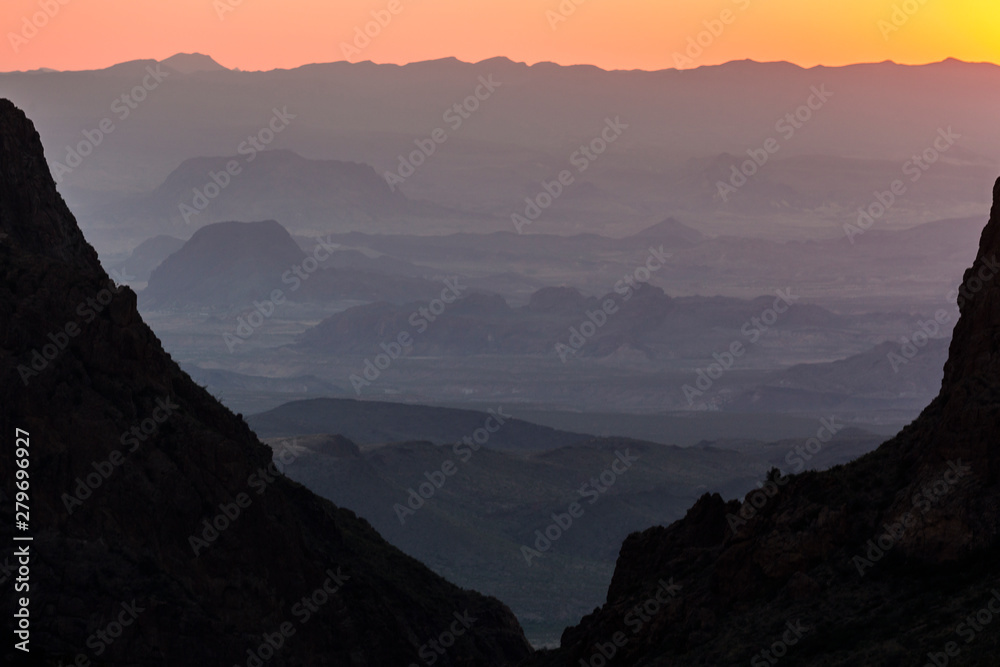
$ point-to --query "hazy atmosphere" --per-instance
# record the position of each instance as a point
(533, 333)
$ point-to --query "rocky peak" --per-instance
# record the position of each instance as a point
(31, 210)
(881, 559)
(147, 494)
(974, 350)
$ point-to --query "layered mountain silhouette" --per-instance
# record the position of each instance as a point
(539, 114)
(888, 560)
(884, 269)
(641, 317)
(474, 526)
(879, 377)
(188, 63)
(147, 256)
(233, 264)
(306, 195)
(672, 233)
(880, 561)
(150, 499)
(375, 422)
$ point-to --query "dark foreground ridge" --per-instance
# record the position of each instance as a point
(130, 465)
(889, 560)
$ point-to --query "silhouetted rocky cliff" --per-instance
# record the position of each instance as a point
(889, 560)
(160, 535)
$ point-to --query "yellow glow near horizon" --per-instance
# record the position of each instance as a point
(612, 34)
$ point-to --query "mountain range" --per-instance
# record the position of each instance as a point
(185, 534)
(887, 559)
(233, 264)
(875, 117)
(883, 559)
(469, 504)
(308, 196)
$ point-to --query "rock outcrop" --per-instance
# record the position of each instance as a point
(888, 560)
(152, 505)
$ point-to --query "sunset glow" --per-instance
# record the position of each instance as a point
(624, 34)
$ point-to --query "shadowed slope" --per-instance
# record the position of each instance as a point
(78, 371)
(881, 560)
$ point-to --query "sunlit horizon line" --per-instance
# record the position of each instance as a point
(516, 62)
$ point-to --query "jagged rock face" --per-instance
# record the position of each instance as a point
(964, 421)
(882, 560)
(33, 214)
(128, 458)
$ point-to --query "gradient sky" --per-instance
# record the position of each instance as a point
(612, 34)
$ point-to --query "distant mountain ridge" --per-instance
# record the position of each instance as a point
(881, 376)
(307, 196)
(145, 257)
(174, 529)
(878, 560)
(187, 63)
(473, 527)
(374, 422)
(228, 262)
(643, 317)
(524, 134)
(232, 265)
(671, 232)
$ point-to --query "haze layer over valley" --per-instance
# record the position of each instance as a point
(512, 315)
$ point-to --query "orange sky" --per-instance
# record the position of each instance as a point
(628, 34)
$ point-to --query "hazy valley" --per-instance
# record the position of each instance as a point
(522, 340)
